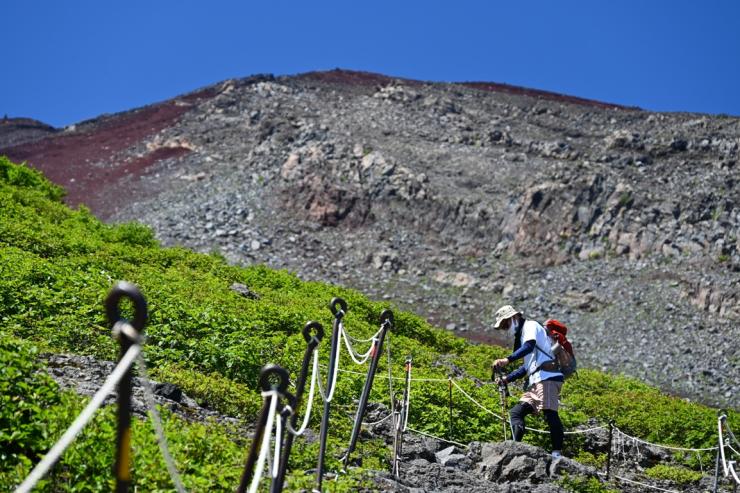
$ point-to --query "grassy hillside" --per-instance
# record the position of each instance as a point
(56, 266)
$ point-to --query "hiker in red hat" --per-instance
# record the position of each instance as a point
(545, 380)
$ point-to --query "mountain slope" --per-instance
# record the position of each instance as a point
(450, 199)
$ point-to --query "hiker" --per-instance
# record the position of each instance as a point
(531, 342)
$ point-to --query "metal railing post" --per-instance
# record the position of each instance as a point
(313, 341)
(386, 322)
(609, 451)
(268, 371)
(127, 337)
(338, 315)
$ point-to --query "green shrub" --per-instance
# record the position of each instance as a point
(25, 395)
(580, 484)
(677, 474)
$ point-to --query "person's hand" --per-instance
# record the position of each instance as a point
(501, 381)
(500, 363)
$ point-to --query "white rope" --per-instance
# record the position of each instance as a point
(372, 337)
(473, 400)
(84, 417)
(731, 467)
(730, 447)
(437, 438)
(330, 396)
(721, 445)
(265, 447)
(732, 438)
(395, 378)
(637, 482)
(309, 406)
(683, 449)
(574, 432)
(358, 358)
(158, 429)
(373, 423)
(728, 467)
(278, 440)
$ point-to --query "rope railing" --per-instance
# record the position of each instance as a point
(359, 359)
(278, 421)
(667, 447)
(80, 422)
(129, 335)
(309, 404)
(728, 466)
(446, 440)
(632, 481)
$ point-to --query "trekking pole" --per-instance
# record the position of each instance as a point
(265, 382)
(503, 393)
(338, 315)
(313, 341)
(128, 334)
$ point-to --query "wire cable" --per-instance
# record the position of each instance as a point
(437, 438)
(157, 424)
(668, 447)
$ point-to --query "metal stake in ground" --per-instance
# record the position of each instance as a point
(609, 451)
(397, 425)
(313, 341)
(338, 315)
(386, 322)
(128, 333)
(267, 382)
(402, 416)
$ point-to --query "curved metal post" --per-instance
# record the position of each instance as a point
(313, 341)
(122, 330)
(265, 383)
(386, 322)
(338, 315)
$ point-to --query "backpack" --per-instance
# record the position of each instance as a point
(561, 350)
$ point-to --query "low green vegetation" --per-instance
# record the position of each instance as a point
(57, 266)
(676, 474)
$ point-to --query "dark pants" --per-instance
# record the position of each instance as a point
(522, 409)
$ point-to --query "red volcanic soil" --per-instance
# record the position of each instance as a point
(91, 162)
(358, 78)
(536, 93)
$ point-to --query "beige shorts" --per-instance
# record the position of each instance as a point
(543, 395)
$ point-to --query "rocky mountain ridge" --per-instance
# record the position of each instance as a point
(449, 200)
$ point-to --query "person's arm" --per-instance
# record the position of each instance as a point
(523, 350)
(516, 374)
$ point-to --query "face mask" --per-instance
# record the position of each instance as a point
(515, 326)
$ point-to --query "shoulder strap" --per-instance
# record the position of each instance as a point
(546, 353)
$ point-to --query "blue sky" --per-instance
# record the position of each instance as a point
(66, 61)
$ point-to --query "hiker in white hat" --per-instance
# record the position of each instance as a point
(530, 343)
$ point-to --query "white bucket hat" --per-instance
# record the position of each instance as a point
(506, 311)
